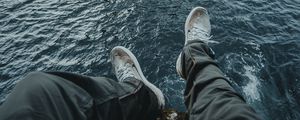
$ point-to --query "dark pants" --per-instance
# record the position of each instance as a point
(66, 96)
(208, 95)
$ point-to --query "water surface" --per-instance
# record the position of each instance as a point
(258, 44)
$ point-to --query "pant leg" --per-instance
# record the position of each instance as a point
(208, 95)
(41, 96)
(68, 96)
(129, 100)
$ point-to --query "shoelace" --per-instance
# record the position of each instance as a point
(125, 71)
(197, 32)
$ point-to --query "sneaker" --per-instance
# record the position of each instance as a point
(197, 27)
(126, 66)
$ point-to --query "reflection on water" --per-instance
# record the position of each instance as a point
(257, 44)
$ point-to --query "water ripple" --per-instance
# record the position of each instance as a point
(258, 44)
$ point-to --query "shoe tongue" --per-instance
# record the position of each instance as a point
(127, 70)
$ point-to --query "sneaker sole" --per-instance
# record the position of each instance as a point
(155, 90)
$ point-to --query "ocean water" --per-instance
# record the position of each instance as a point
(258, 44)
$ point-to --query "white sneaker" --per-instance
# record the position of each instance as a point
(126, 65)
(197, 27)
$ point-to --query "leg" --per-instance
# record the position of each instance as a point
(65, 96)
(42, 96)
(68, 96)
(208, 95)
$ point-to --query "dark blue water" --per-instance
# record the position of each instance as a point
(258, 49)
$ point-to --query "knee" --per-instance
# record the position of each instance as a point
(35, 74)
(35, 77)
(36, 81)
